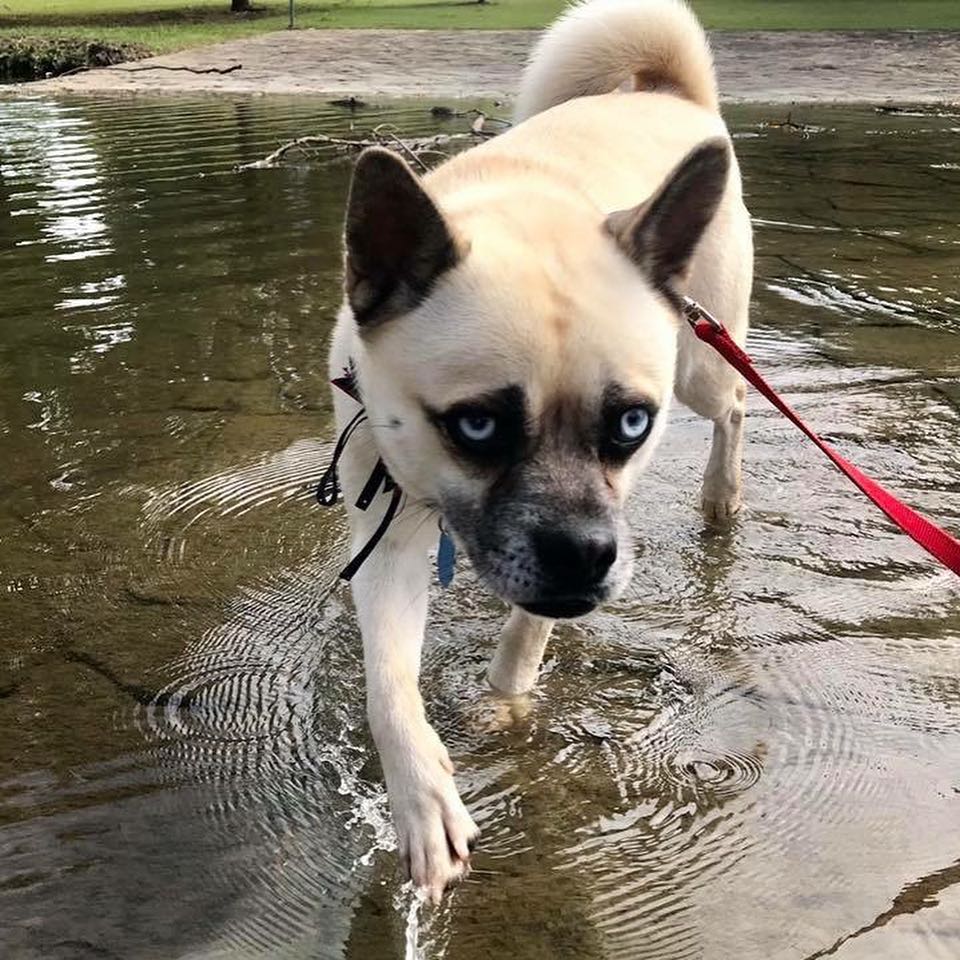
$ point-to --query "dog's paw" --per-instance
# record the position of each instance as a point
(434, 831)
(720, 506)
(496, 713)
(720, 511)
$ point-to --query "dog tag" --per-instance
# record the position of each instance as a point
(446, 558)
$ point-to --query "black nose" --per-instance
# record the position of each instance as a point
(574, 560)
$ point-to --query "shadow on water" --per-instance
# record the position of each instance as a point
(752, 755)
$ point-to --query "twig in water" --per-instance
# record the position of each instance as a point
(384, 131)
(416, 149)
(803, 129)
(300, 143)
(446, 113)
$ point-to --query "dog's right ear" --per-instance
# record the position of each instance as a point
(397, 242)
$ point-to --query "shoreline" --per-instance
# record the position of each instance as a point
(878, 67)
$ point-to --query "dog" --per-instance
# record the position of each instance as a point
(511, 321)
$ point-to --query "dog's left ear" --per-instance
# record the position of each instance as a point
(661, 234)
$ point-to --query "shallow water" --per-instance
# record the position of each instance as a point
(756, 754)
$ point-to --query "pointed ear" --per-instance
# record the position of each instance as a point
(396, 239)
(661, 234)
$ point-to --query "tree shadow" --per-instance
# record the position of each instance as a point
(208, 15)
(135, 18)
(427, 5)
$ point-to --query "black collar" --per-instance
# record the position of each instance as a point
(328, 492)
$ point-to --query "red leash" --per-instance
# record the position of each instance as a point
(932, 538)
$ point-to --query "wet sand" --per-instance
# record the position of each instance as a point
(760, 66)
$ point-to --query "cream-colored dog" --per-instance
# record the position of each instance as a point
(512, 320)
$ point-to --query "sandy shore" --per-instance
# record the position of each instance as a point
(753, 66)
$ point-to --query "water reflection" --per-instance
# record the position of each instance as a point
(753, 755)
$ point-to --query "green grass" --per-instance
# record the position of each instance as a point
(165, 25)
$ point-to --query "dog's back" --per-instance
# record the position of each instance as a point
(616, 92)
(600, 45)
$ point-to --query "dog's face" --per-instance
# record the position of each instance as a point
(516, 366)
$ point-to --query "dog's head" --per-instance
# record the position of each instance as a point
(517, 358)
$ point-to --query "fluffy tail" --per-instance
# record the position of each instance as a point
(598, 45)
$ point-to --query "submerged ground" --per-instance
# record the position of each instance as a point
(752, 755)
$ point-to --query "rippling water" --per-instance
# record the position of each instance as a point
(755, 754)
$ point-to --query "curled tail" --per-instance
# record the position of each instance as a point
(598, 45)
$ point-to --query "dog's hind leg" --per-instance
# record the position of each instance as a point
(722, 479)
(713, 390)
(516, 663)
(705, 382)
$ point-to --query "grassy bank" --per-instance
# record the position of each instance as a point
(164, 25)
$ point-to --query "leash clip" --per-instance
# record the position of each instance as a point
(693, 313)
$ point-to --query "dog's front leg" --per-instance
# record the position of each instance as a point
(434, 830)
(516, 664)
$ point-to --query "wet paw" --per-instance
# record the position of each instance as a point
(436, 837)
(719, 508)
(435, 832)
(496, 713)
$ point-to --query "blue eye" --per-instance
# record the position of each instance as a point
(477, 427)
(633, 425)
(487, 429)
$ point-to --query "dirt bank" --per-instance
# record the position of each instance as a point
(874, 67)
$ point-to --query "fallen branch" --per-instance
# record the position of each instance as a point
(69, 73)
(104, 66)
(417, 150)
(161, 66)
(406, 151)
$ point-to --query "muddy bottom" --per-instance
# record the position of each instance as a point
(754, 754)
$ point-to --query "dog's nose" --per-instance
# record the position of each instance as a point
(574, 560)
